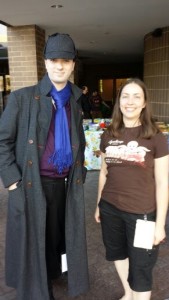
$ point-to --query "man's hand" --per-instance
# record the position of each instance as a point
(13, 186)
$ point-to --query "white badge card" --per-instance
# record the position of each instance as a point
(144, 234)
(64, 263)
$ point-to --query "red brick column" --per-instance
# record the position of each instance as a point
(25, 54)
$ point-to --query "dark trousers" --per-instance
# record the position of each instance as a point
(55, 194)
(118, 228)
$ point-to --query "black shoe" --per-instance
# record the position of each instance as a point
(50, 290)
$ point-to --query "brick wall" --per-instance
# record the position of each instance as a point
(156, 72)
(25, 53)
(40, 42)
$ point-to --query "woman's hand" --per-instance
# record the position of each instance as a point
(160, 235)
(97, 214)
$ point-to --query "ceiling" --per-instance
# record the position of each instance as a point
(104, 31)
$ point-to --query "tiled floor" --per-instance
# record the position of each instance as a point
(104, 281)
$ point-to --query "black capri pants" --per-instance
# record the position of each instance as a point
(118, 230)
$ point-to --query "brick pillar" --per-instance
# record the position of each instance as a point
(156, 71)
(25, 54)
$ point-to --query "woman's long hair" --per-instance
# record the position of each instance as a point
(149, 127)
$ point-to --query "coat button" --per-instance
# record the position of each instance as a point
(30, 141)
(78, 181)
(30, 162)
(29, 184)
(77, 162)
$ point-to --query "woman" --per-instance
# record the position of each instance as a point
(133, 184)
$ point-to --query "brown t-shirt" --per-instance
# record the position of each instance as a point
(130, 183)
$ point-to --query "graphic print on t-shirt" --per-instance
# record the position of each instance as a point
(117, 152)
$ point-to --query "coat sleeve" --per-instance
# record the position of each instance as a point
(83, 145)
(9, 170)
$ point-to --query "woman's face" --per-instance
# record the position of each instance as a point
(131, 103)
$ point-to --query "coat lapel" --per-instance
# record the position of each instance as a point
(43, 111)
(76, 116)
(74, 129)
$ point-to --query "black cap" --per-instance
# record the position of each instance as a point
(59, 45)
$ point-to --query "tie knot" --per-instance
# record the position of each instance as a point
(60, 103)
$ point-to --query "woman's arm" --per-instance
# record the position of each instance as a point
(161, 180)
(102, 180)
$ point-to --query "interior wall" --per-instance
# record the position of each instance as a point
(93, 73)
(107, 89)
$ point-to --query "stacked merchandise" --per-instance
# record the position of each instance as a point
(165, 129)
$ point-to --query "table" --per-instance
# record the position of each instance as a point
(92, 152)
(92, 157)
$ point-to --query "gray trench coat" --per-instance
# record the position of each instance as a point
(24, 128)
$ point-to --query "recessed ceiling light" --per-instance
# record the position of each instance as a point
(56, 6)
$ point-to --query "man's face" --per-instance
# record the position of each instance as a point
(59, 70)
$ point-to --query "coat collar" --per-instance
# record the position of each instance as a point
(45, 114)
(45, 86)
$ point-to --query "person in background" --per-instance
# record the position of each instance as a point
(133, 184)
(86, 106)
(96, 105)
(42, 164)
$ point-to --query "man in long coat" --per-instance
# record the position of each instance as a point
(41, 163)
